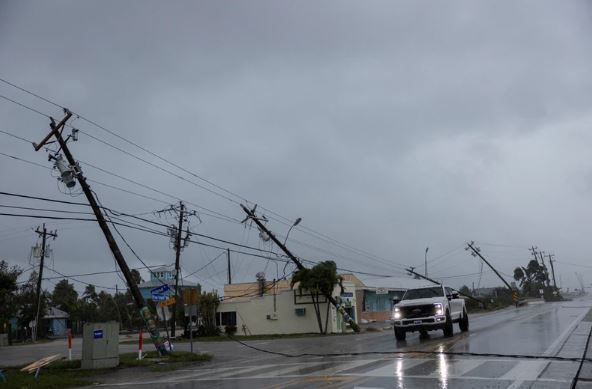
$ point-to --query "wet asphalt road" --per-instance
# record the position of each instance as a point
(551, 329)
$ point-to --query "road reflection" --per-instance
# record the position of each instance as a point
(399, 373)
(443, 368)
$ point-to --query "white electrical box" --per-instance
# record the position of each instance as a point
(100, 345)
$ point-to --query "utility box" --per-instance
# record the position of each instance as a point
(100, 345)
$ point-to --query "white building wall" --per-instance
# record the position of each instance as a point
(252, 314)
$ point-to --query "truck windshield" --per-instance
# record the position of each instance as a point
(423, 293)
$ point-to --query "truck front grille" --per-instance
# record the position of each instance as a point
(417, 311)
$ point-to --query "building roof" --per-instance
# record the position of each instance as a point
(396, 283)
(156, 283)
(162, 268)
(54, 313)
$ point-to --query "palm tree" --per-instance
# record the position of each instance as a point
(319, 280)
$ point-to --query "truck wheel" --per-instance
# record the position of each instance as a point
(464, 322)
(448, 331)
(400, 334)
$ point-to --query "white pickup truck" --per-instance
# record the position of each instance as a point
(429, 309)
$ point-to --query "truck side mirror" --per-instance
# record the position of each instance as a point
(396, 301)
(454, 295)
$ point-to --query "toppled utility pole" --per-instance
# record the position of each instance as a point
(251, 215)
(476, 252)
(73, 170)
(536, 254)
(418, 276)
(550, 256)
(44, 234)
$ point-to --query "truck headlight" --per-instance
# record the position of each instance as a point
(439, 310)
(396, 313)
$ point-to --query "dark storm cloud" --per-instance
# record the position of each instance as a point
(388, 125)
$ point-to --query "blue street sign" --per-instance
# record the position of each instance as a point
(98, 334)
(160, 290)
(158, 297)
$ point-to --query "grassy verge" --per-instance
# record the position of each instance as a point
(62, 374)
(67, 374)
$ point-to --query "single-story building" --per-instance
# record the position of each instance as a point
(265, 307)
(55, 323)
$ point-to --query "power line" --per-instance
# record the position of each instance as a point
(43, 209)
(222, 216)
(81, 282)
(211, 213)
(388, 263)
(206, 265)
(285, 221)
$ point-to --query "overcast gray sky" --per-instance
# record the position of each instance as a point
(389, 126)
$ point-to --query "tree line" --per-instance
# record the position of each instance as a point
(18, 302)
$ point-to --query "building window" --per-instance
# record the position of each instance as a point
(226, 319)
(379, 302)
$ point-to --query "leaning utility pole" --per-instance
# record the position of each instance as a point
(74, 170)
(550, 256)
(540, 254)
(417, 276)
(43, 233)
(476, 253)
(251, 215)
(177, 260)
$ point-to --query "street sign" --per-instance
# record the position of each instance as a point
(167, 302)
(190, 310)
(158, 297)
(160, 290)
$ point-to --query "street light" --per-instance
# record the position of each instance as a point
(426, 261)
(296, 222)
(293, 225)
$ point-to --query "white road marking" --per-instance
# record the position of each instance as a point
(525, 371)
(395, 369)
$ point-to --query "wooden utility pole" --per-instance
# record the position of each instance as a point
(147, 316)
(536, 254)
(476, 253)
(550, 256)
(417, 276)
(177, 265)
(43, 233)
(229, 272)
(251, 215)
